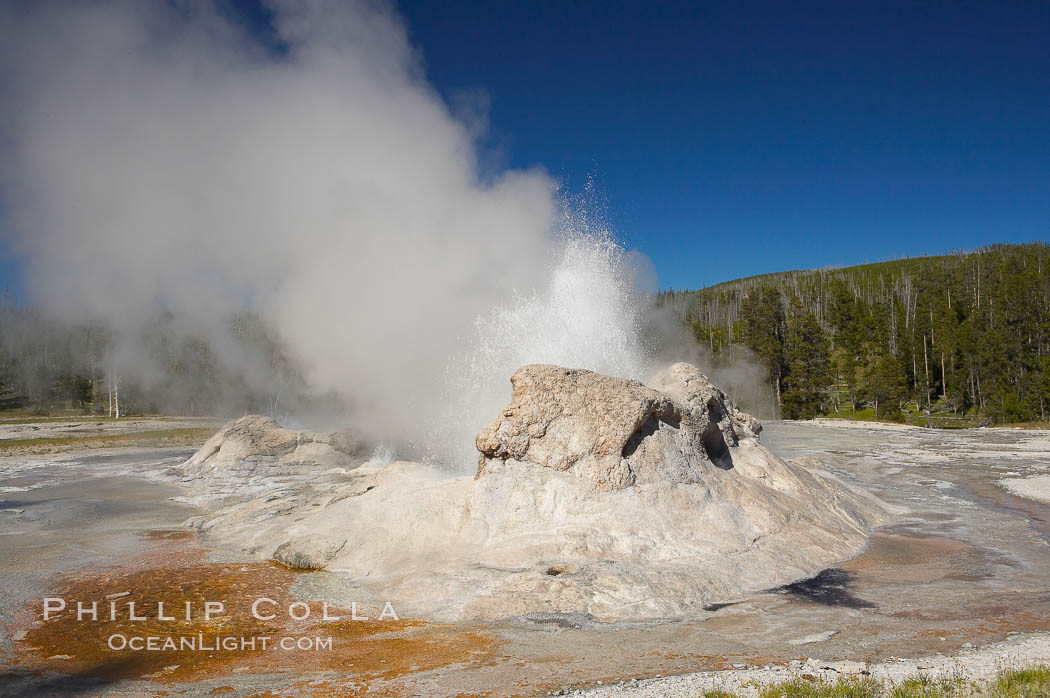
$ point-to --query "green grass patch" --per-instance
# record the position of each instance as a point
(862, 414)
(1027, 425)
(25, 418)
(853, 687)
(1030, 682)
(1022, 683)
(21, 416)
(940, 420)
(187, 436)
(925, 687)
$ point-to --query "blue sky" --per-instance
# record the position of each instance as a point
(736, 138)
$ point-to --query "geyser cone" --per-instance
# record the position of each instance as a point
(596, 495)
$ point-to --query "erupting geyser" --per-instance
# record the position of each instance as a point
(595, 495)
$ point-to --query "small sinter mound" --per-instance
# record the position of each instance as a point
(594, 495)
(253, 453)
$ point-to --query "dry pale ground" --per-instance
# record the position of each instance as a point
(968, 565)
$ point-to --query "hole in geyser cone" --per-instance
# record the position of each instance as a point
(648, 428)
(717, 450)
(714, 441)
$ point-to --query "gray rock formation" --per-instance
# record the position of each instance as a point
(685, 383)
(610, 431)
(310, 552)
(596, 496)
(254, 454)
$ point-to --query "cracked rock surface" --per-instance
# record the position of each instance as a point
(611, 432)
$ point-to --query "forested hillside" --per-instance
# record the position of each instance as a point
(963, 337)
(956, 339)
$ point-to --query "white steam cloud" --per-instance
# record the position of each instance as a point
(588, 315)
(158, 158)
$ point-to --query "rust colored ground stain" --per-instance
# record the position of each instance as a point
(361, 651)
(992, 627)
(1037, 513)
(174, 535)
(893, 557)
(388, 658)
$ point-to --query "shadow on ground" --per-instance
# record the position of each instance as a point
(829, 588)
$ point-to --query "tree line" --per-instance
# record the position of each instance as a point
(167, 366)
(965, 335)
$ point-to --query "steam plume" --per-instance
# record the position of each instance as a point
(160, 159)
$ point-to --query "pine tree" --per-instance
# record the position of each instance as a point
(808, 359)
(885, 387)
(762, 325)
(844, 317)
